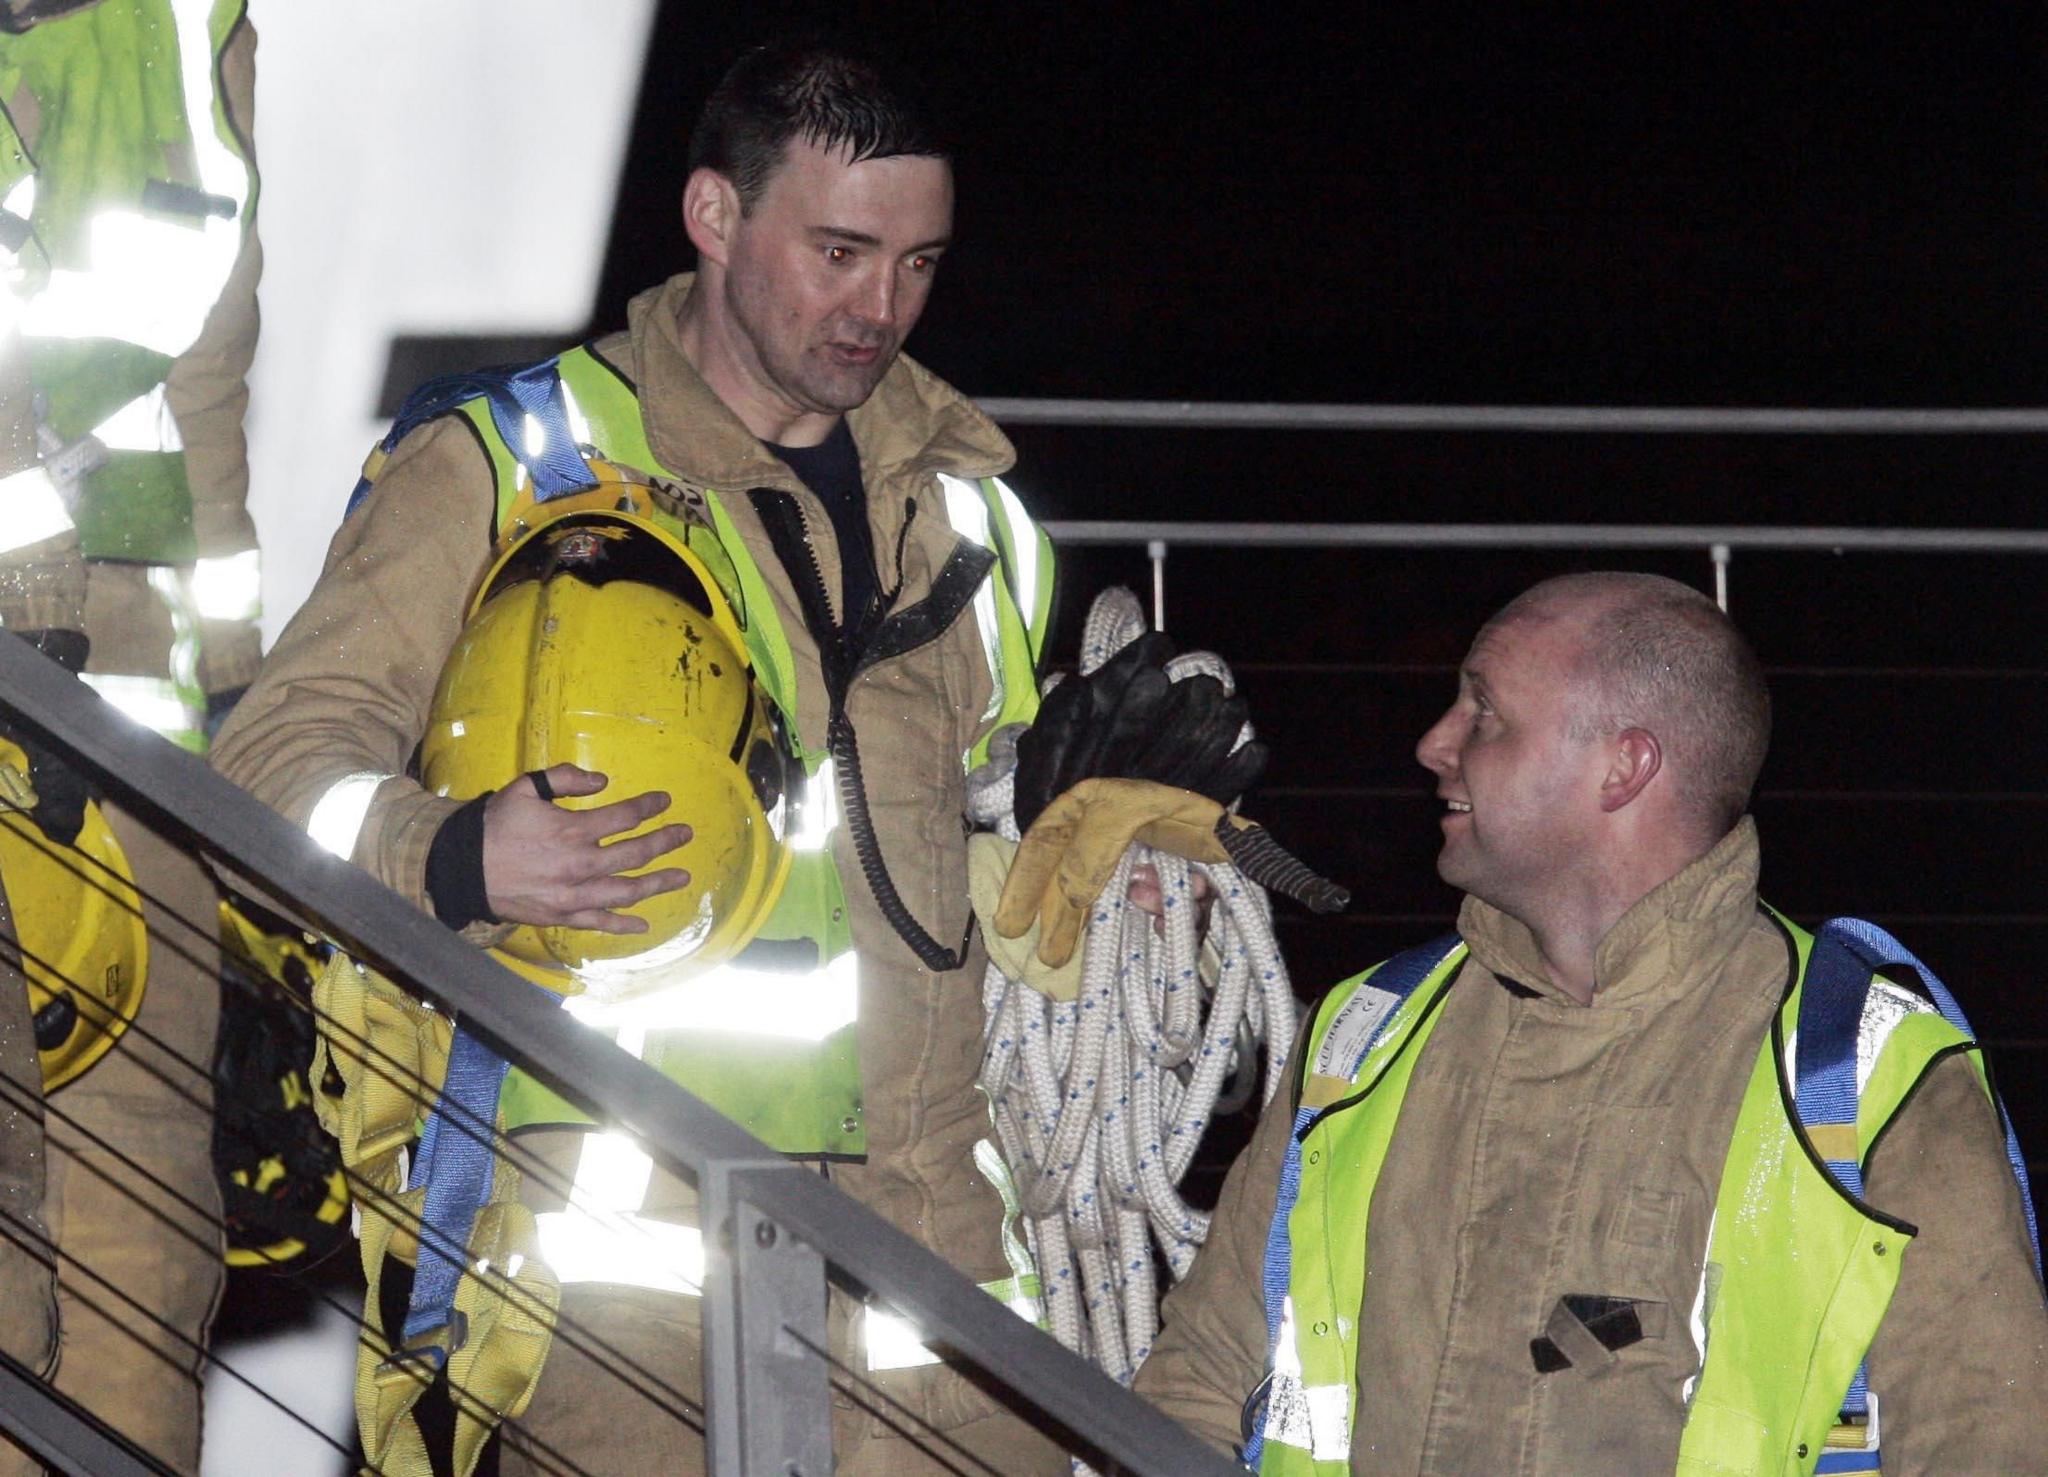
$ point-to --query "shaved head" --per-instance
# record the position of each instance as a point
(1658, 655)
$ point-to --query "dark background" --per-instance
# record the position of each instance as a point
(1827, 206)
(1821, 205)
(1648, 204)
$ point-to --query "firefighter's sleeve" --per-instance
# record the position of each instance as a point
(1960, 1365)
(327, 730)
(208, 393)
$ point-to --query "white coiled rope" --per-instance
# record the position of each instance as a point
(1100, 1101)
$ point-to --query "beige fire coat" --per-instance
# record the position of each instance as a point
(1545, 1147)
(347, 688)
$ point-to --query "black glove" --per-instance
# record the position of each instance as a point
(1128, 720)
(61, 791)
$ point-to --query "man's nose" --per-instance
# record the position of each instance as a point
(1436, 751)
(877, 301)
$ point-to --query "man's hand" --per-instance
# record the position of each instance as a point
(548, 865)
(1145, 895)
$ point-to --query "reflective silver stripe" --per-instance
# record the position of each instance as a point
(968, 514)
(154, 702)
(579, 423)
(338, 816)
(601, 1236)
(1311, 1418)
(229, 587)
(1024, 540)
(1883, 1008)
(31, 510)
(818, 817)
(892, 1341)
(143, 424)
(153, 281)
(1702, 1312)
(807, 1006)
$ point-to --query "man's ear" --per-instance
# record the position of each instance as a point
(1636, 757)
(711, 213)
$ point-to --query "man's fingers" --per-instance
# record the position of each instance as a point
(635, 853)
(620, 816)
(568, 779)
(595, 903)
(599, 921)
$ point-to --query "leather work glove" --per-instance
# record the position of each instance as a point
(1128, 720)
(1072, 849)
(989, 859)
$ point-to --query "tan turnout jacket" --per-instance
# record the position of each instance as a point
(1545, 1147)
(347, 690)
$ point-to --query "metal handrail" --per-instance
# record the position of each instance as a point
(1837, 540)
(1630, 420)
(1718, 541)
(59, 1432)
(179, 794)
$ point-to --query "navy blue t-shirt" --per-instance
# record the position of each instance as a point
(831, 470)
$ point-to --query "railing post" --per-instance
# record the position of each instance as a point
(1721, 554)
(1155, 550)
(767, 1403)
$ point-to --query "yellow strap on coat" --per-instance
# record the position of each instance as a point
(391, 1052)
(509, 1301)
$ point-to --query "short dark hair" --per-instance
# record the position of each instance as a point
(817, 91)
(1662, 656)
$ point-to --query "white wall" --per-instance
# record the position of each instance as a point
(446, 167)
(439, 167)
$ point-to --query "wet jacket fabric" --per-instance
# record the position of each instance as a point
(347, 688)
(1547, 1148)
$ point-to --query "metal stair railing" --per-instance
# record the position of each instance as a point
(771, 1227)
(1717, 541)
(57, 1431)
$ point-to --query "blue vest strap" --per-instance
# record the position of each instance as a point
(1872, 949)
(1846, 953)
(457, 1163)
(515, 396)
(1400, 976)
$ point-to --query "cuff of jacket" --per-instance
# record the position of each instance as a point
(455, 868)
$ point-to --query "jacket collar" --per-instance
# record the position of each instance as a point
(1677, 935)
(914, 422)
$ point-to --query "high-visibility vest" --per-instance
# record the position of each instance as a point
(784, 1060)
(117, 236)
(1806, 1271)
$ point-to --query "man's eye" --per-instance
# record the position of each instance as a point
(839, 256)
(923, 263)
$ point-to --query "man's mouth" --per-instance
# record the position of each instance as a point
(856, 353)
(1458, 807)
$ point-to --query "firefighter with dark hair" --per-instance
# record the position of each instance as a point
(890, 596)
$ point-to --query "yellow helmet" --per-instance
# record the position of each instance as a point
(78, 922)
(599, 639)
